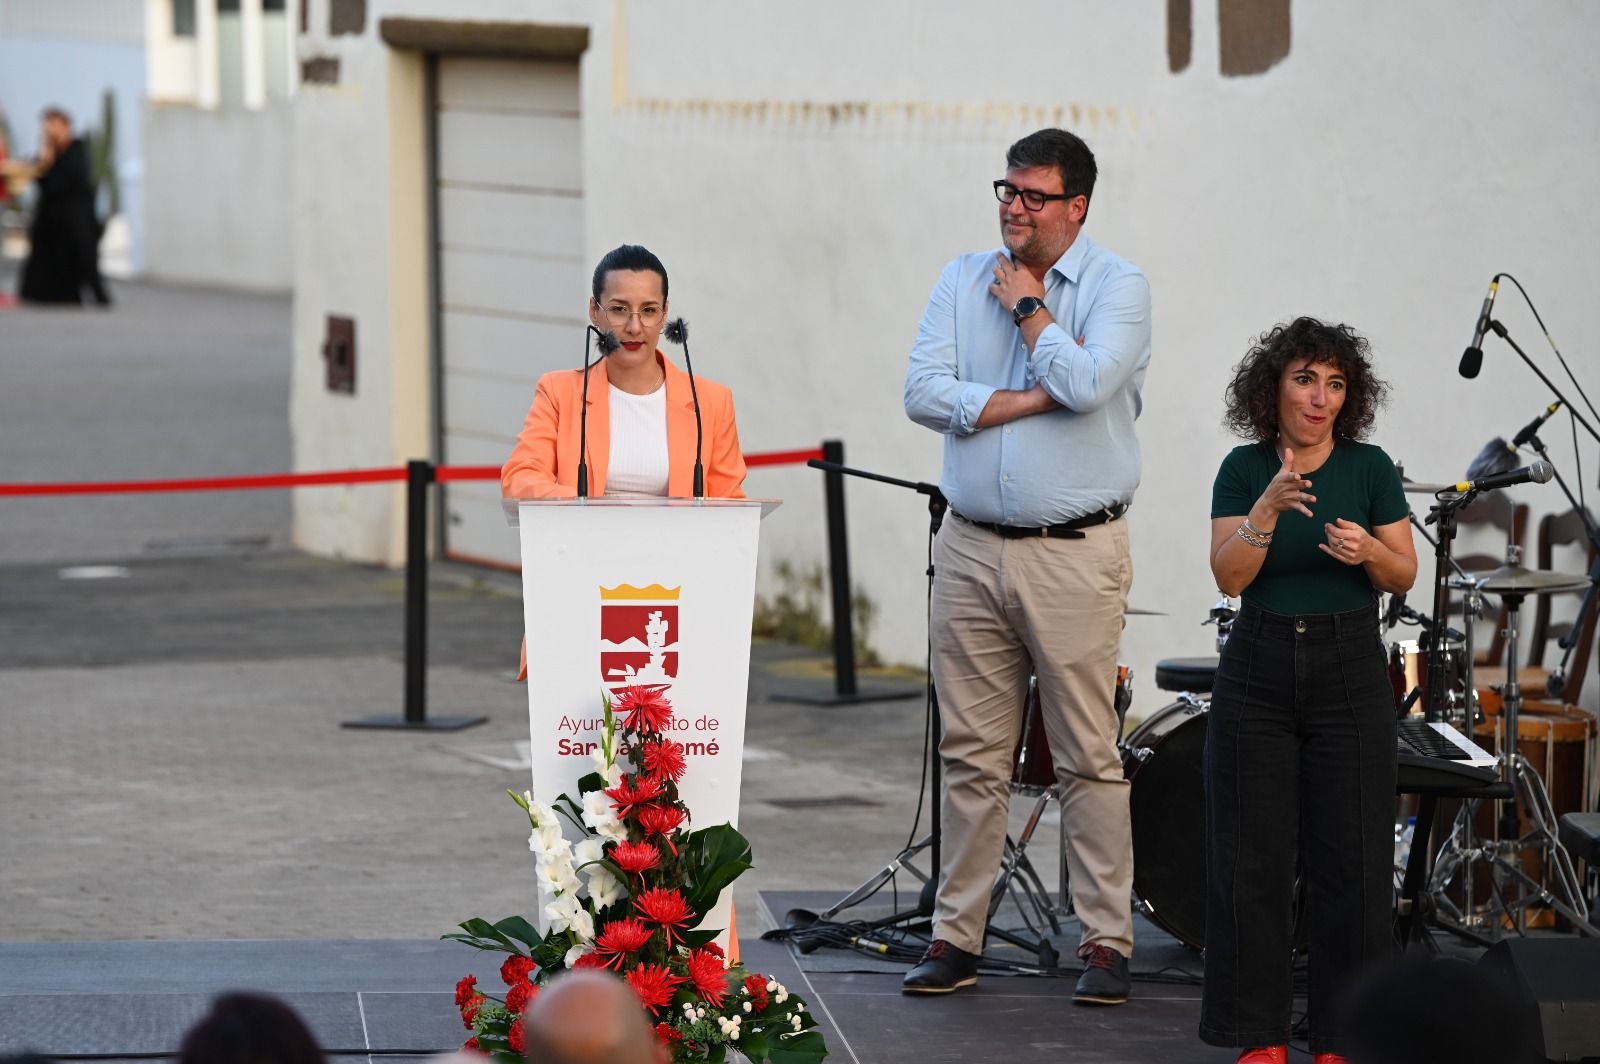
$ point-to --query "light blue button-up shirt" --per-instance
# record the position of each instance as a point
(1047, 468)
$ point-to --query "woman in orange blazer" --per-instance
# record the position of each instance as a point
(630, 300)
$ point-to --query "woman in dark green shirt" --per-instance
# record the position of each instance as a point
(1308, 524)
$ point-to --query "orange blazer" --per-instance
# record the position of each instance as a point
(544, 464)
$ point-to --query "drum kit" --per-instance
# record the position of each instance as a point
(1550, 767)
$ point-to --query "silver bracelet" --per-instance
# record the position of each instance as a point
(1262, 532)
(1244, 533)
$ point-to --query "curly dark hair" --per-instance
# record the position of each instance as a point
(1252, 395)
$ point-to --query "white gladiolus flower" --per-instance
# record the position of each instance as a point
(583, 922)
(588, 851)
(562, 913)
(575, 953)
(605, 889)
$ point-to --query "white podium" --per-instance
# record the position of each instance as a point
(646, 591)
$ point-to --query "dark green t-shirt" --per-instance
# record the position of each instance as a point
(1358, 482)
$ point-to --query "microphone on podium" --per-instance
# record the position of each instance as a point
(607, 342)
(677, 331)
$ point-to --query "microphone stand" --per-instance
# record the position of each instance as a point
(608, 344)
(937, 505)
(1501, 331)
(1444, 515)
(678, 332)
(1570, 640)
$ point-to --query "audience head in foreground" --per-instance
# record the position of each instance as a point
(588, 1017)
(249, 1029)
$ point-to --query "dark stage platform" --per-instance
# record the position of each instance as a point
(112, 1001)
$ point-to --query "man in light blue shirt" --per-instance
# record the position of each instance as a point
(1029, 360)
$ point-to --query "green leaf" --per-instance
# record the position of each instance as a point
(712, 858)
(519, 928)
(697, 938)
(592, 782)
(487, 934)
(520, 800)
(753, 1044)
(804, 1048)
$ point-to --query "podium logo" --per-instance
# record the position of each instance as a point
(638, 635)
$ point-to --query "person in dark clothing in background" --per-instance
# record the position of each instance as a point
(64, 257)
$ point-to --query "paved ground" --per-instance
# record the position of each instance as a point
(171, 761)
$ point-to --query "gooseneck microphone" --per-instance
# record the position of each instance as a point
(607, 342)
(1538, 472)
(1531, 429)
(677, 331)
(1472, 357)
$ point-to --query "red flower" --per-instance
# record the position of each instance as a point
(516, 969)
(709, 977)
(660, 820)
(519, 996)
(665, 908)
(654, 984)
(712, 947)
(620, 938)
(664, 759)
(756, 987)
(589, 960)
(645, 709)
(469, 1011)
(465, 989)
(471, 1046)
(517, 1037)
(635, 857)
(633, 792)
(668, 1034)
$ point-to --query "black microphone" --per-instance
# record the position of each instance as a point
(1472, 357)
(1555, 682)
(677, 331)
(1538, 472)
(608, 343)
(1531, 429)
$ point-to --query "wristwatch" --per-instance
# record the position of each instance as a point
(1026, 307)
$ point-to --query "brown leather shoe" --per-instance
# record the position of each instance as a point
(943, 969)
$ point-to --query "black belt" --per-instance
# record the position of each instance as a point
(1072, 529)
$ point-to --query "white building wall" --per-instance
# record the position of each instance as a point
(218, 206)
(806, 170)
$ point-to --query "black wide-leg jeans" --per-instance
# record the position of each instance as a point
(1300, 763)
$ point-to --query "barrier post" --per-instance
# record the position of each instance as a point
(846, 690)
(419, 475)
(844, 636)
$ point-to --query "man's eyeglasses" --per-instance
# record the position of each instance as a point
(618, 314)
(1034, 200)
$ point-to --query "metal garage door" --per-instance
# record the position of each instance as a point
(512, 283)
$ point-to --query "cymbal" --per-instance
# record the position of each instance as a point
(1135, 611)
(1515, 580)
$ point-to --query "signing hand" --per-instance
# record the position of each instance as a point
(1347, 541)
(1288, 490)
(1012, 283)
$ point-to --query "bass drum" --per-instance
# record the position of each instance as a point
(1164, 760)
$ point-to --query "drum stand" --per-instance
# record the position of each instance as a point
(1504, 852)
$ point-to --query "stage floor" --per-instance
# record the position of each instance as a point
(113, 1001)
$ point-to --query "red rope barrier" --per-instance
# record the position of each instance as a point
(270, 480)
(781, 457)
(466, 472)
(306, 480)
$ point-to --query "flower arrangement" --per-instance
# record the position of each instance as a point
(629, 897)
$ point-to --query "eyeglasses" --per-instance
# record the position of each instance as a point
(619, 313)
(1034, 200)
